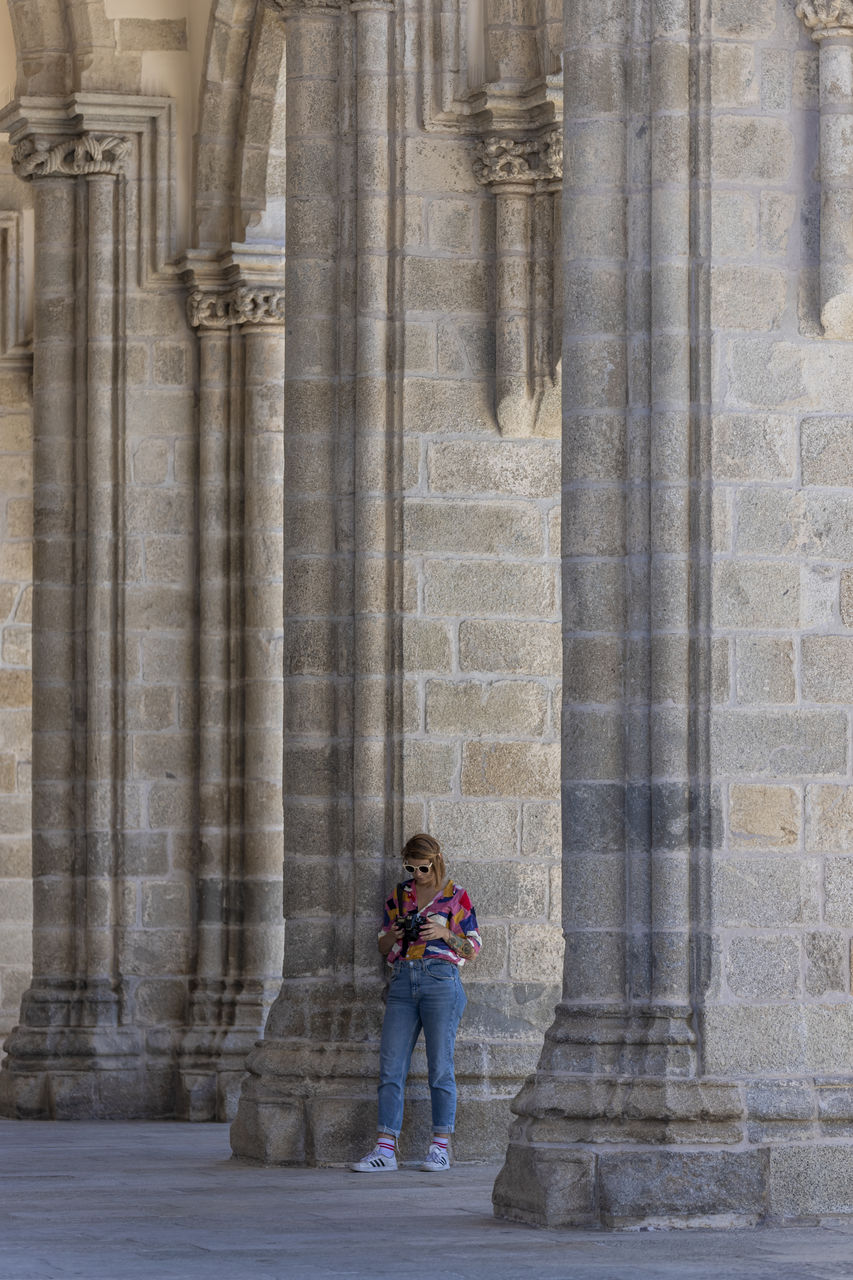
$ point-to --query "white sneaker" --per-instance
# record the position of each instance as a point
(375, 1162)
(436, 1162)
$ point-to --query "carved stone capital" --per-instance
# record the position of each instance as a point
(287, 7)
(258, 304)
(501, 160)
(827, 17)
(88, 153)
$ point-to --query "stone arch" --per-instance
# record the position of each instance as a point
(96, 63)
(43, 44)
(259, 203)
(65, 46)
(223, 88)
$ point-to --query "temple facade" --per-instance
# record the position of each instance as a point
(435, 415)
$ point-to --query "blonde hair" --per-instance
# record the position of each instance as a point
(423, 847)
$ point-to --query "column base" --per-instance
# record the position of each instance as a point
(83, 1073)
(650, 1151)
(211, 1071)
(652, 1187)
(309, 1105)
(70, 1059)
(226, 1025)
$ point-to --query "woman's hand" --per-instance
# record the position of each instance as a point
(431, 932)
(387, 941)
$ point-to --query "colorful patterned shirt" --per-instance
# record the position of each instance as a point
(452, 904)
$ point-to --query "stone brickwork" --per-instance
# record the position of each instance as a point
(465, 446)
(16, 603)
(15, 698)
(698, 1066)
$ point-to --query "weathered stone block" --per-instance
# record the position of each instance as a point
(546, 1188)
(483, 587)
(763, 968)
(748, 594)
(838, 890)
(165, 903)
(594, 522)
(766, 374)
(764, 816)
(754, 1040)
(426, 645)
(765, 670)
(592, 746)
(753, 447)
(445, 285)
(540, 831)
(473, 528)
(764, 892)
(750, 148)
(511, 769)
(429, 768)
(594, 670)
(535, 953)
(778, 742)
(808, 1179)
(474, 829)
(520, 469)
(734, 77)
(829, 818)
(826, 963)
(827, 673)
(474, 707)
(738, 18)
(519, 648)
(826, 447)
(733, 223)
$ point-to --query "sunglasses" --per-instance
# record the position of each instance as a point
(423, 868)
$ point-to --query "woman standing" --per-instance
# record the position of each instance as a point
(428, 933)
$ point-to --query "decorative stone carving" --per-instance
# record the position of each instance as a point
(39, 157)
(525, 174)
(241, 305)
(826, 17)
(526, 160)
(285, 7)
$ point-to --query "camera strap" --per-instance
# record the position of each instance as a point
(400, 897)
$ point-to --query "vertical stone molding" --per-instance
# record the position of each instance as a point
(239, 318)
(13, 341)
(71, 1017)
(830, 23)
(525, 175)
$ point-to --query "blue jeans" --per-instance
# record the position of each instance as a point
(428, 994)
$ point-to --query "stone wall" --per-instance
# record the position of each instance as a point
(698, 1066)
(782, 458)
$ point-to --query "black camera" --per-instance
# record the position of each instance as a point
(411, 926)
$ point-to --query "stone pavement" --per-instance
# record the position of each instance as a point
(146, 1201)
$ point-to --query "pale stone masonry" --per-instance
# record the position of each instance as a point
(16, 603)
(439, 418)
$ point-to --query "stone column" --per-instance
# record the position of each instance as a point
(71, 1055)
(831, 26)
(619, 1125)
(302, 1043)
(241, 509)
(524, 174)
(311, 1092)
